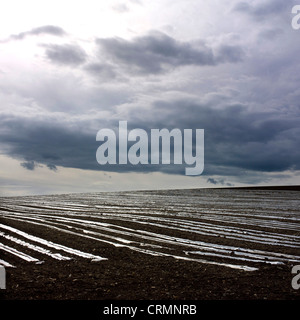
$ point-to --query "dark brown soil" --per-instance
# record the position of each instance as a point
(129, 275)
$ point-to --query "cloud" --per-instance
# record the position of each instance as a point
(29, 165)
(66, 54)
(49, 142)
(229, 53)
(219, 181)
(262, 9)
(52, 167)
(238, 83)
(157, 53)
(48, 29)
(270, 34)
(101, 70)
(237, 139)
(120, 8)
(139, 2)
(123, 7)
(212, 180)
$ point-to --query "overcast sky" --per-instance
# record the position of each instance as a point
(70, 68)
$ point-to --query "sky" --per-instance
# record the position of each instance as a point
(71, 68)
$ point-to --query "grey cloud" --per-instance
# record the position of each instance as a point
(270, 34)
(52, 167)
(49, 29)
(237, 140)
(158, 52)
(39, 141)
(229, 53)
(242, 7)
(235, 137)
(264, 8)
(212, 180)
(219, 181)
(230, 102)
(101, 70)
(67, 54)
(29, 165)
(65, 93)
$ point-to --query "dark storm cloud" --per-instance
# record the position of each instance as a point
(49, 29)
(236, 139)
(67, 54)
(157, 52)
(234, 136)
(29, 165)
(48, 142)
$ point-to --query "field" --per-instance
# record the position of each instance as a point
(173, 245)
